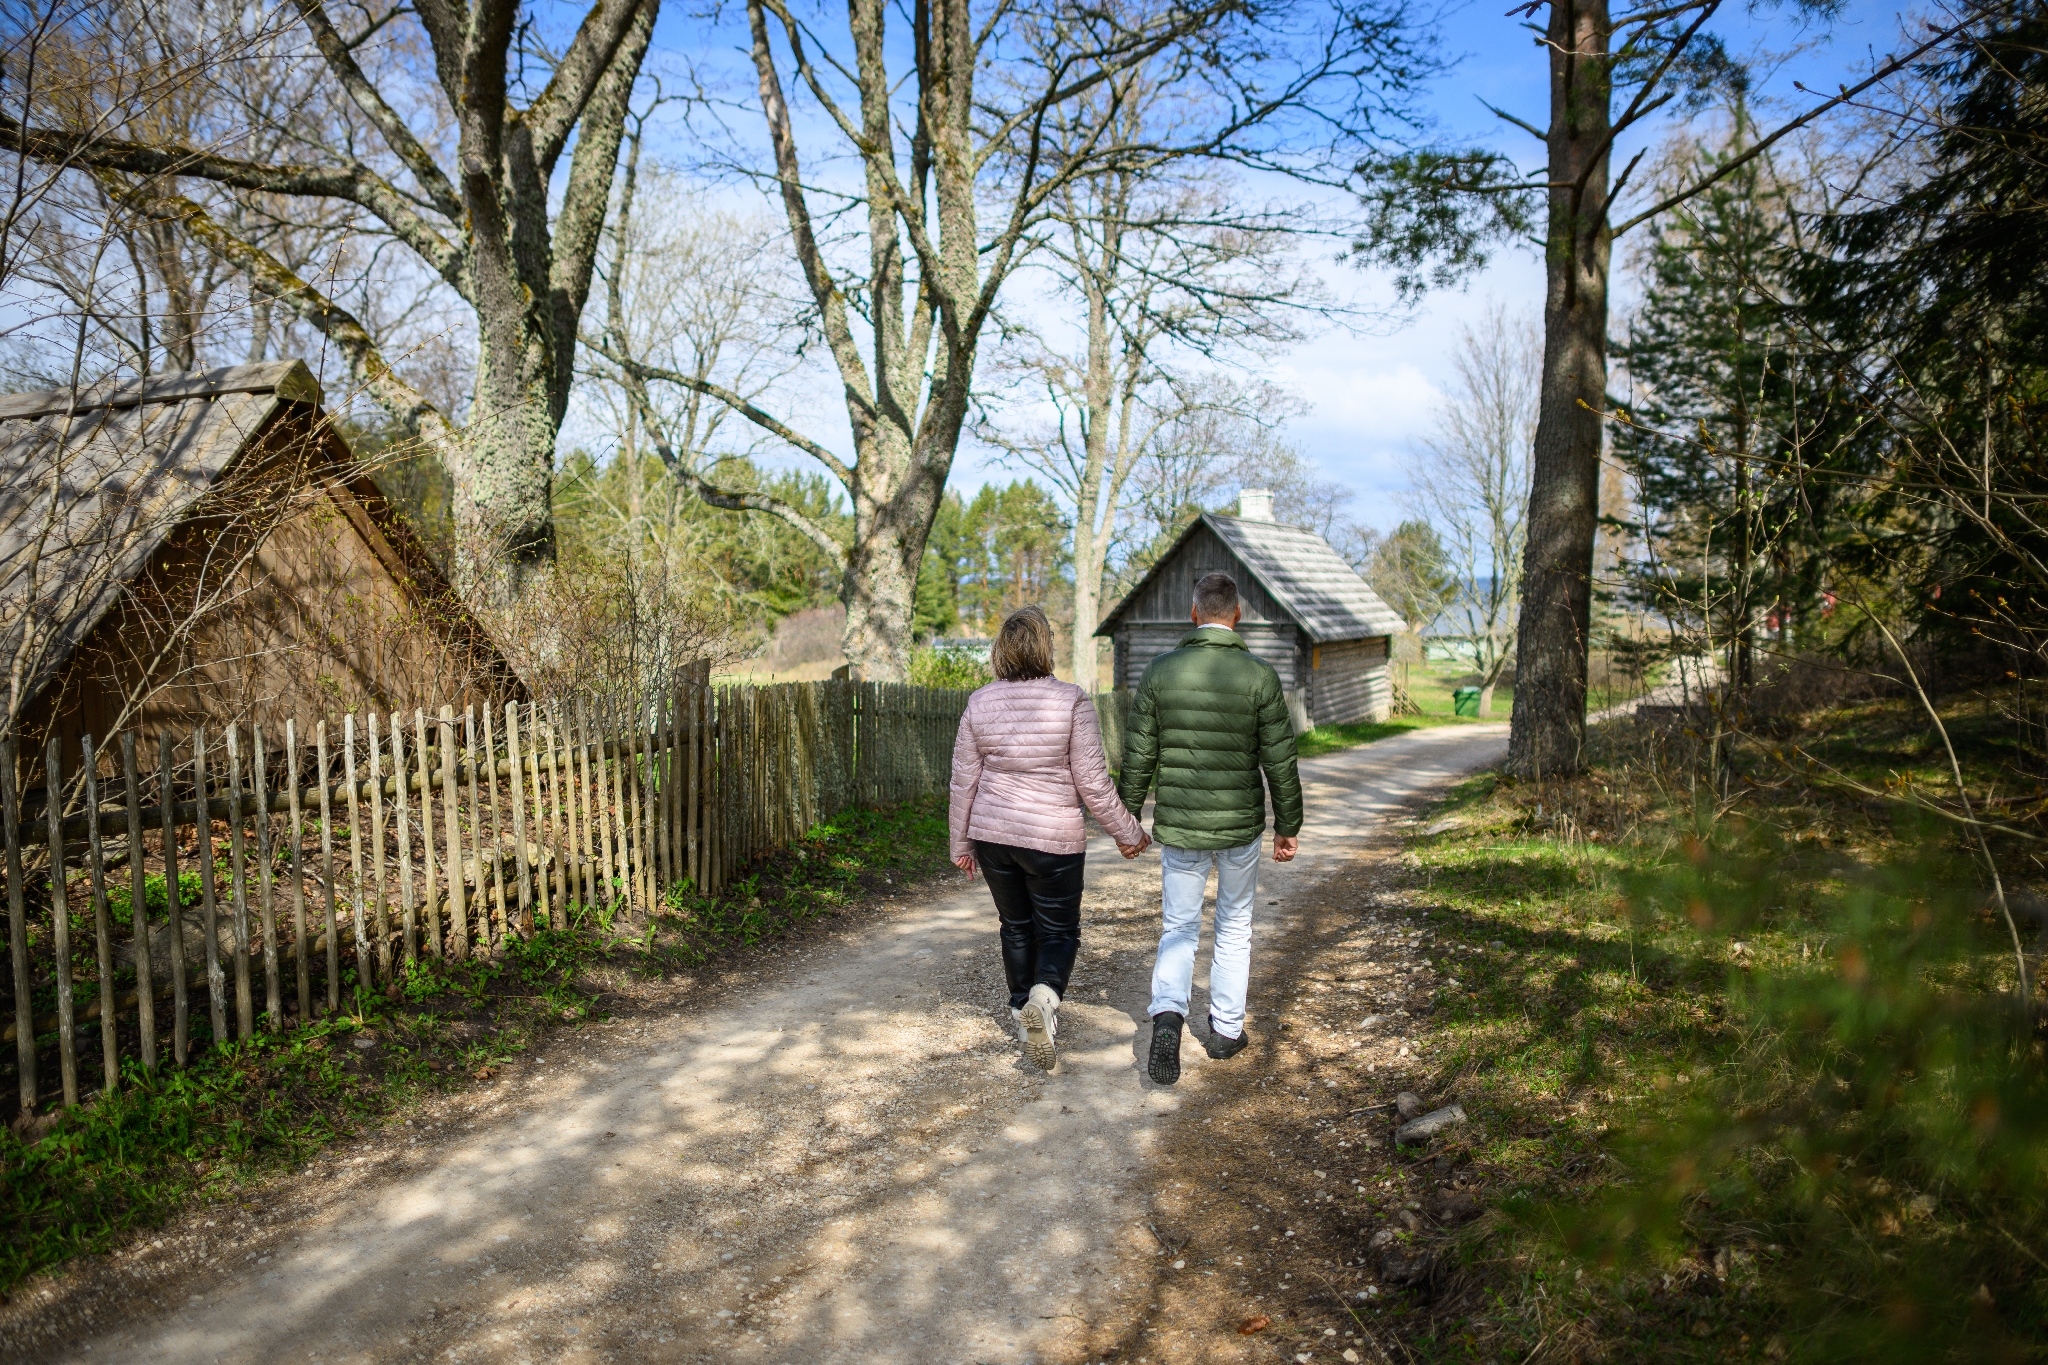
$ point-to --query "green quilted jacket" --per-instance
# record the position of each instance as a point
(1207, 719)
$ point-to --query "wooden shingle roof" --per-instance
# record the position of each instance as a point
(93, 482)
(1302, 572)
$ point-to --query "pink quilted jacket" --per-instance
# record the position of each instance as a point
(1028, 754)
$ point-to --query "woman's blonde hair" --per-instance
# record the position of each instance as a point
(1023, 648)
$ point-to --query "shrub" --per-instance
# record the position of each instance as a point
(943, 666)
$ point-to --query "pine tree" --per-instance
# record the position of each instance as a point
(1715, 436)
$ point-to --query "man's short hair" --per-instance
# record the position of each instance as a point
(1215, 596)
(1023, 648)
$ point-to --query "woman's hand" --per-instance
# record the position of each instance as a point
(1133, 850)
(965, 862)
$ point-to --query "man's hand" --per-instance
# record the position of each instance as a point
(1133, 850)
(966, 864)
(1284, 847)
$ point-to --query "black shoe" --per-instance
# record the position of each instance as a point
(1220, 1047)
(1166, 1048)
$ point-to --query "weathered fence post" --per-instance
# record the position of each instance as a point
(408, 907)
(145, 976)
(209, 895)
(60, 916)
(302, 969)
(505, 920)
(17, 931)
(174, 906)
(430, 903)
(380, 926)
(326, 863)
(102, 924)
(364, 978)
(273, 995)
(458, 909)
(521, 862)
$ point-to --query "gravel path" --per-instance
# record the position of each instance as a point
(844, 1160)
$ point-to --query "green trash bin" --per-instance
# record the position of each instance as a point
(1465, 701)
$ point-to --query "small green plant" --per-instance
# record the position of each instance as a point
(940, 666)
(121, 895)
(1879, 1133)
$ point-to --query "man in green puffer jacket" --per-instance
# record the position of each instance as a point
(1208, 720)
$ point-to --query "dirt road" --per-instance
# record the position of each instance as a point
(844, 1160)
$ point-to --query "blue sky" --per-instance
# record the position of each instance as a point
(1370, 392)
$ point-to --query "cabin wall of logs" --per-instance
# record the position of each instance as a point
(173, 892)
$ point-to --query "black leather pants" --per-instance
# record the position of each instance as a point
(1038, 899)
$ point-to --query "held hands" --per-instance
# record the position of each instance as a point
(1133, 850)
(965, 862)
(1285, 846)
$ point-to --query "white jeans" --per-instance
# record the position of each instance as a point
(1183, 875)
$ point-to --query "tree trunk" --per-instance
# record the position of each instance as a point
(1564, 496)
(1486, 700)
(1090, 541)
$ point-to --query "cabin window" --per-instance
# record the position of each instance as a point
(1315, 657)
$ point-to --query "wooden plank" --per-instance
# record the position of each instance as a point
(266, 878)
(355, 852)
(476, 829)
(506, 922)
(522, 863)
(622, 748)
(380, 928)
(551, 836)
(579, 805)
(145, 975)
(637, 720)
(209, 898)
(60, 918)
(458, 913)
(558, 814)
(430, 904)
(649, 771)
(690, 703)
(327, 871)
(17, 932)
(603, 725)
(661, 724)
(295, 831)
(408, 907)
(103, 928)
(181, 1003)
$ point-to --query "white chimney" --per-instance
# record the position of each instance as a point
(1255, 504)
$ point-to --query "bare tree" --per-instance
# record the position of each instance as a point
(961, 158)
(1167, 271)
(1224, 436)
(468, 185)
(1472, 483)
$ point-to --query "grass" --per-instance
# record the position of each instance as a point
(248, 1111)
(1743, 1083)
(1328, 739)
(1430, 690)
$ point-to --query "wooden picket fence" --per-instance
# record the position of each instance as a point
(282, 863)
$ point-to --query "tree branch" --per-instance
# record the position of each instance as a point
(355, 183)
(641, 372)
(825, 291)
(397, 136)
(729, 499)
(337, 324)
(1889, 69)
(551, 117)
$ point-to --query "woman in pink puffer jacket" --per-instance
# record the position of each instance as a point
(1028, 755)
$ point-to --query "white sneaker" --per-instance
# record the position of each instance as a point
(1041, 1020)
